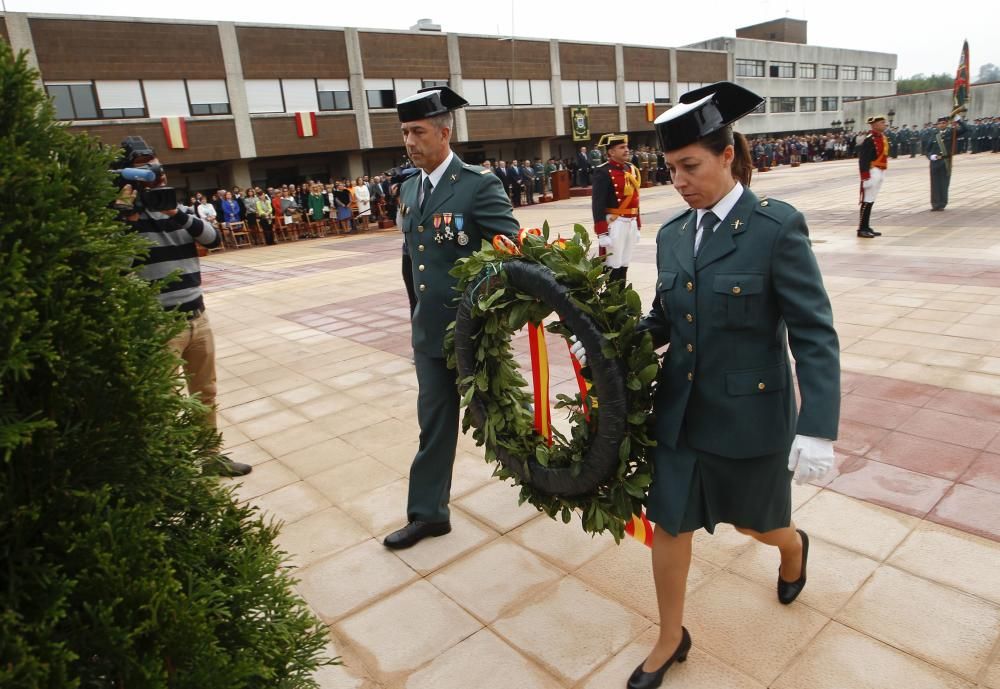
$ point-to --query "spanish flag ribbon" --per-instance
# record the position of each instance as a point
(540, 380)
(641, 529)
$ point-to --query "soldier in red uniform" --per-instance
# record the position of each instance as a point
(872, 162)
(615, 203)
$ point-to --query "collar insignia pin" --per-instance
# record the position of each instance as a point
(454, 178)
(737, 223)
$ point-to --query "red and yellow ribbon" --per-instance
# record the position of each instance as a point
(540, 380)
(641, 529)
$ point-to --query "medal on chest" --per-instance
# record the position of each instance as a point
(438, 236)
(461, 237)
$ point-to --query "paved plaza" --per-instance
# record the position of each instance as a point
(317, 391)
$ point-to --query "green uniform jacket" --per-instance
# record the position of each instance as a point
(726, 380)
(478, 196)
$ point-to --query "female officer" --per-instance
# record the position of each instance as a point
(736, 280)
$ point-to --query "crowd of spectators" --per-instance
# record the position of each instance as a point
(296, 211)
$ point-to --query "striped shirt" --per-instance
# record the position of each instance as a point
(172, 249)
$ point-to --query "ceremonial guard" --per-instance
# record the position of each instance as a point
(446, 212)
(737, 286)
(872, 162)
(615, 204)
(938, 147)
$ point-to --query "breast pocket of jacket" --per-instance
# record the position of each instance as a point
(737, 300)
(665, 282)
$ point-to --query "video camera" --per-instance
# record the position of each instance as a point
(136, 168)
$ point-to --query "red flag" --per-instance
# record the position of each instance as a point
(960, 93)
(305, 124)
(175, 129)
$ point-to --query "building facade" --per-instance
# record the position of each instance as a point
(925, 107)
(804, 86)
(238, 88)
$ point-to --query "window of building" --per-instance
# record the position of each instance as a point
(782, 70)
(167, 97)
(474, 91)
(606, 93)
(427, 83)
(883, 74)
(497, 92)
(570, 92)
(807, 104)
(849, 72)
(647, 91)
(828, 71)
(829, 103)
(867, 73)
(685, 86)
(205, 96)
(807, 70)
(749, 68)
(661, 92)
(404, 88)
(845, 99)
(73, 101)
(783, 104)
(380, 93)
(334, 94)
(300, 95)
(588, 92)
(541, 92)
(118, 99)
(520, 92)
(264, 95)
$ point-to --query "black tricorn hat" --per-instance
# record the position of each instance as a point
(703, 111)
(429, 102)
(944, 118)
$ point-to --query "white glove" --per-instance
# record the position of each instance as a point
(810, 458)
(958, 118)
(578, 351)
(934, 156)
(604, 240)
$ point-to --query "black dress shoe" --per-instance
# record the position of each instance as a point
(867, 234)
(414, 532)
(789, 591)
(875, 232)
(641, 679)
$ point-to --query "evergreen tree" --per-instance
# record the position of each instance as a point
(121, 565)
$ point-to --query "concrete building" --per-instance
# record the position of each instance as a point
(925, 107)
(804, 86)
(239, 86)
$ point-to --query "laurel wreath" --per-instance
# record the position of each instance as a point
(495, 395)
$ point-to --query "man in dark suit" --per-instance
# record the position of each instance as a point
(503, 173)
(447, 211)
(516, 182)
(582, 168)
(528, 181)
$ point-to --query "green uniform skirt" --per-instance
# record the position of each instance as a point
(694, 490)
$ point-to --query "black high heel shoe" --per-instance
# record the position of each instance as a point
(789, 591)
(650, 680)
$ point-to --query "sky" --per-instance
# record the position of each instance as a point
(904, 30)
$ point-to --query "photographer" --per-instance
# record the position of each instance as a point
(150, 208)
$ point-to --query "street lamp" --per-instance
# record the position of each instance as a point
(849, 124)
(835, 124)
(892, 113)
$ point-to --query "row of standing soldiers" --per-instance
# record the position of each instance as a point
(981, 136)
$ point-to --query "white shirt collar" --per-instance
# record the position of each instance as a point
(438, 172)
(723, 207)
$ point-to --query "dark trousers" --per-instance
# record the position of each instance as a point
(408, 281)
(940, 180)
(437, 414)
(265, 227)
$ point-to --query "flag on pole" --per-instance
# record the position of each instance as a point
(650, 112)
(305, 124)
(175, 129)
(960, 94)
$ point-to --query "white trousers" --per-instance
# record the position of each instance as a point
(624, 234)
(871, 186)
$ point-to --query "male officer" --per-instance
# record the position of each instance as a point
(872, 164)
(582, 167)
(615, 205)
(446, 211)
(938, 148)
